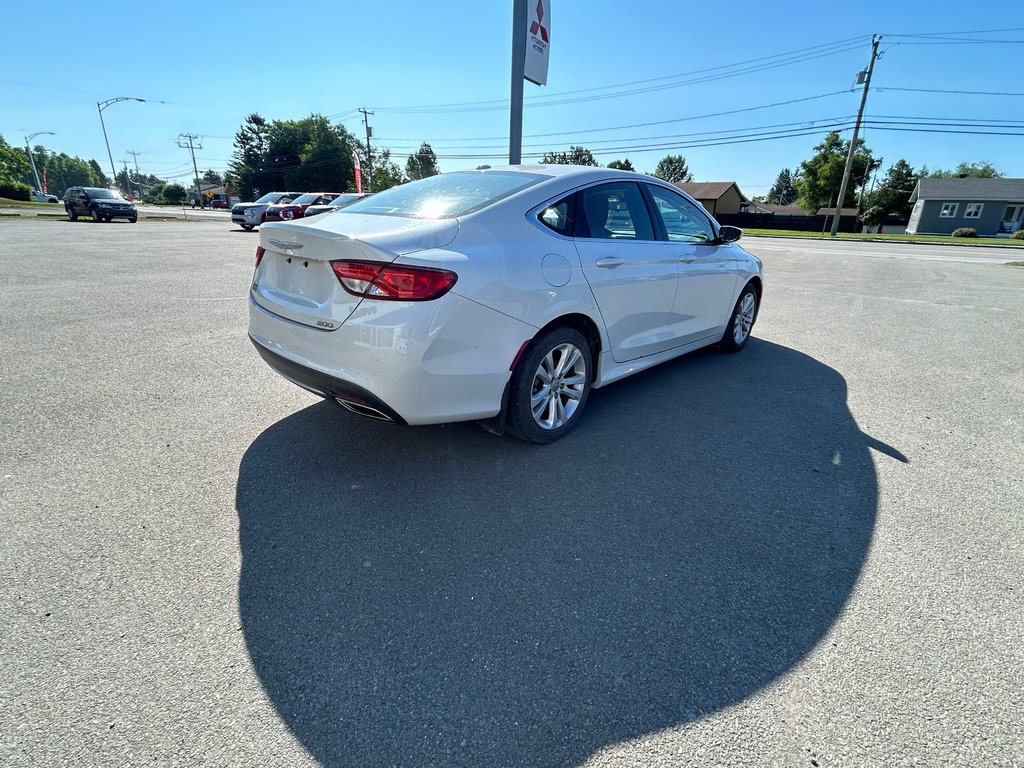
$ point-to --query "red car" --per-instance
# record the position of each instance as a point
(296, 209)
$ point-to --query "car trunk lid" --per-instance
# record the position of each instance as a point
(295, 279)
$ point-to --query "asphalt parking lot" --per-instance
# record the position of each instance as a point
(807, 554)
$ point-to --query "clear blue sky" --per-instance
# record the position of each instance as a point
(203, 67)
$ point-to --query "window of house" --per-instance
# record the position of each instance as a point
(948, 210)
(973, 210)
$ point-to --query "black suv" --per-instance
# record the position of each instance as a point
(101, 204)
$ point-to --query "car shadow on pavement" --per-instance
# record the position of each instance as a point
(442, 596)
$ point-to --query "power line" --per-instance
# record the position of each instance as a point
(642, 125)
(551, 101)
(943, 90)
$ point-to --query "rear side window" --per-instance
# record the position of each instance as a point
(560, 217)
(614, 212)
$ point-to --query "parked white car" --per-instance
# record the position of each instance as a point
(501, 295)
(43, 197)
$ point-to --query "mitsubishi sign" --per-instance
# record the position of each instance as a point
(538, 43)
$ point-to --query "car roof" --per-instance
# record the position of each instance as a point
(576, 172)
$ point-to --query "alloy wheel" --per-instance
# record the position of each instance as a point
(558, 386)
(744, 320)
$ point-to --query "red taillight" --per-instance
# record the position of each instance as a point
(260, 250)
(288, 214)
(393, 282)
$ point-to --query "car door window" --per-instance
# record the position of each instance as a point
(614, 212)
(683, 222)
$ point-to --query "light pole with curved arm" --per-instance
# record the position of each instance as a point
(100, 106)
(28, 149)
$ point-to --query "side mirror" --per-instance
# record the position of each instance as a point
(729, 234)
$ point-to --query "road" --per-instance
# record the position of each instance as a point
(806, 554)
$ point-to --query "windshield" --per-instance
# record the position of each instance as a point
(445, 196)
(307, 199)
(270, 197)
(103, 194)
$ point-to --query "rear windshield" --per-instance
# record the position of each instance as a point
(311, 198)
(445, 196)
(344, 200)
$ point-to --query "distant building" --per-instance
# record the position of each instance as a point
(993, 207)
(716, 196)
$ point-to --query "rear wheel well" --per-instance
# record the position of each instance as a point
(585, 326)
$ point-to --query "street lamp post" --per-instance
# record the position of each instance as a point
(32, 159)
(100, 106)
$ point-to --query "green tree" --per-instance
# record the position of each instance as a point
(422, 164)
(979, 170)
(893, 193)
(386, 173)
(575, 156)
(250, 152)
(174, 194)
(822, 175)
(101, 178)
(14, 165)
(673, 169)
(212, 177)
(307, 154)
(783, 192)
(622, 165)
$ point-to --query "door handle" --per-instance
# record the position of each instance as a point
(609, 263)
(687, 259)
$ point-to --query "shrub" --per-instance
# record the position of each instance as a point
(173, 194)
(15, 190)
(965, 232)
(1018, 235)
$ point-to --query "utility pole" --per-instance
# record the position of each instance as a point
(138, 176)
(875, 39)
(127, 178)
(28, 151)
(191, 146)
(369, 154)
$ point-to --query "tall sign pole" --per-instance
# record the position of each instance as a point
(515, 118)
(853, 141)
(531, 44)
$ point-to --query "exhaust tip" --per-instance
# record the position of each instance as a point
(363, 410)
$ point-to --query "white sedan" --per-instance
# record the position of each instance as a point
(501, 295)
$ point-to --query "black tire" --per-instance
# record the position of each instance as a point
(545, 361)
(133, 219)
(96, 215)
(741, 324)
(72, 216)
(246, 227)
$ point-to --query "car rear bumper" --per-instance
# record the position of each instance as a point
(326, 385)
(414, 362)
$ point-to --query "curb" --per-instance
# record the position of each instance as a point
(887, 242)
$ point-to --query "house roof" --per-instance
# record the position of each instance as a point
(784, 210)
(832, 212)
(707, 190)
(930, 188)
